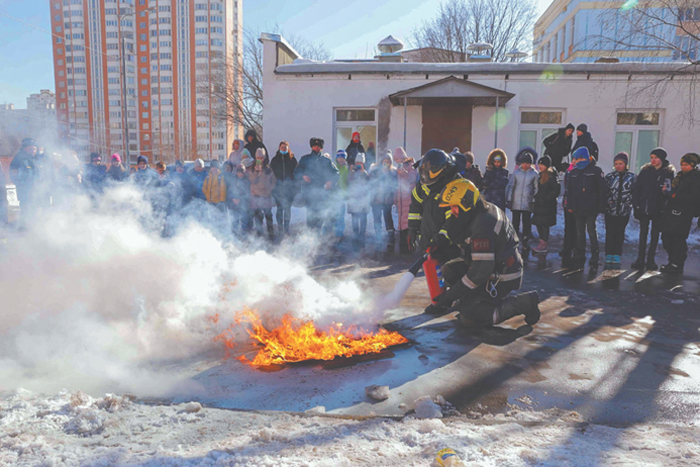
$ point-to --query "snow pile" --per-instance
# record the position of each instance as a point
(426, 408)
(378, 393)
(32, 433)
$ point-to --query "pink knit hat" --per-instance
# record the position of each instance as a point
(116, 157)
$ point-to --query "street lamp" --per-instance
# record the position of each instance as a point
(125, 110)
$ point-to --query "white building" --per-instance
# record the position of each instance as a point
(37, 121)
(425, 105)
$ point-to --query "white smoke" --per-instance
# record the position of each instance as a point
(93, 300)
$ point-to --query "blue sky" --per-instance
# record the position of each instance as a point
(348, 28)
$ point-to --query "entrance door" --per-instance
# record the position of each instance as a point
(447, 127)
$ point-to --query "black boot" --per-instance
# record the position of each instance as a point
(639, 264)
(595, 259)
(436, 310)
(671, 268)
(523, 304)
(651, 264)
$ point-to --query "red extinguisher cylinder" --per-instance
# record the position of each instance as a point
(433, 275)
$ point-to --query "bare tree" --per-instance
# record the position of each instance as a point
(506, 24)
(667, 30)
(244, 106)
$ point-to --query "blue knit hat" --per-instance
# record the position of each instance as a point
(583, 154)
(341, 153)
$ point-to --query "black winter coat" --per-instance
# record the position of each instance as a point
(587, 140)
(495, 183)
(683, 204)
(586, 191)
(545, 211)
(473, 174)
(283, 165)
(320, 170)
(647, 194)
(353, 150)
(558, 146)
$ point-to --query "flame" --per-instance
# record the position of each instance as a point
(296, 340)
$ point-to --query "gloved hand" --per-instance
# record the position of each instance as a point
(451, 295)
(438, 245)
(412, 240)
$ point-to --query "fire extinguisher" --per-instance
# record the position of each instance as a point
(433, 275)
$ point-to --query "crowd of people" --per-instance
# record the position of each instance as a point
(246, 187)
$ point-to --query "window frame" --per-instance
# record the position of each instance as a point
(540, 127)
(353, 125)
(635, 129)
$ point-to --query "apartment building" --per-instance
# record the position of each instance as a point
(174, 52)
(585, 31)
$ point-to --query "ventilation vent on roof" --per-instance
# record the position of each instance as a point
(479, 52)
(390, 50)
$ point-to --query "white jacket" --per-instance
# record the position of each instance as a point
(521, 190)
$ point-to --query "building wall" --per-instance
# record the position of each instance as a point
(170, 54)
(298, 107)
(37, 121)
(571, 31)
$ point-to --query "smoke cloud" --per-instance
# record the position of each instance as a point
(94, 298)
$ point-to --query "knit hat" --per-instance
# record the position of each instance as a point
(143, 159)
(570, 126)
(360, 158)
(357, 133)
(692, 159)
(28, 142)
(199, 163)
(260, 152)
(526, 155)
(622, 156)
(660, 153)
(470, 157)
(316, 142)
(94, 156)
(215, 164)
(117, 157)
(247, 162)
(583, 154)
(341, 153)
(179, 164)
(546, 161)
(583, 128)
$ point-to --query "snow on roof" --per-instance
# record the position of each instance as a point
(371, 67)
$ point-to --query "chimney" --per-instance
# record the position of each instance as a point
(390, 50)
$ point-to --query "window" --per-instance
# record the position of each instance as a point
(536, 125)
(637, 133)
(348, 121)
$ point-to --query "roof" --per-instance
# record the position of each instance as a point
(484, 68)
(266, 36)
(453, 90)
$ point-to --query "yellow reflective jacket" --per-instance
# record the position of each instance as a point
(214, 188)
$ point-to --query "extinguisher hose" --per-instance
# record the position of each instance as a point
(418, 264)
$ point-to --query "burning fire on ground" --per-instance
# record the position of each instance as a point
(297, 341)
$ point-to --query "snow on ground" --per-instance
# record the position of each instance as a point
(73, 429)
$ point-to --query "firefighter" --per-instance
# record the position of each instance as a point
(425, 216)
(489, 266)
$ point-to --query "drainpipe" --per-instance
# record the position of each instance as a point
(404, 125)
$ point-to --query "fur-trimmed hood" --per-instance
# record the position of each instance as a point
(492, 156)
(665, 165)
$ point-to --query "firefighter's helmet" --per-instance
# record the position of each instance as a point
(460, 193)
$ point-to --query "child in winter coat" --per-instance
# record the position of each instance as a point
(649, 199)
(521, 191)
(406, 175)
(472, 171)
(341, 162)
(683, 205)
(586, 196)
(262, 184)
(359, 199)
(496, 178)
(384, 181)
(214, 186)
(620, 182)
(545, 211)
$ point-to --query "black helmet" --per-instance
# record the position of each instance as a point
(460, 160)
(433, 166)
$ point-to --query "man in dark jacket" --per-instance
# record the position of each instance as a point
(489, 265)
(650, 199)
(253, 142)
(317, 175)
(584, 139)
(24, 175)
(196, 177)
(586, 197)
(354, 148)
(425, 215)
(683, 206)
(558, 146)
(283, 165)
